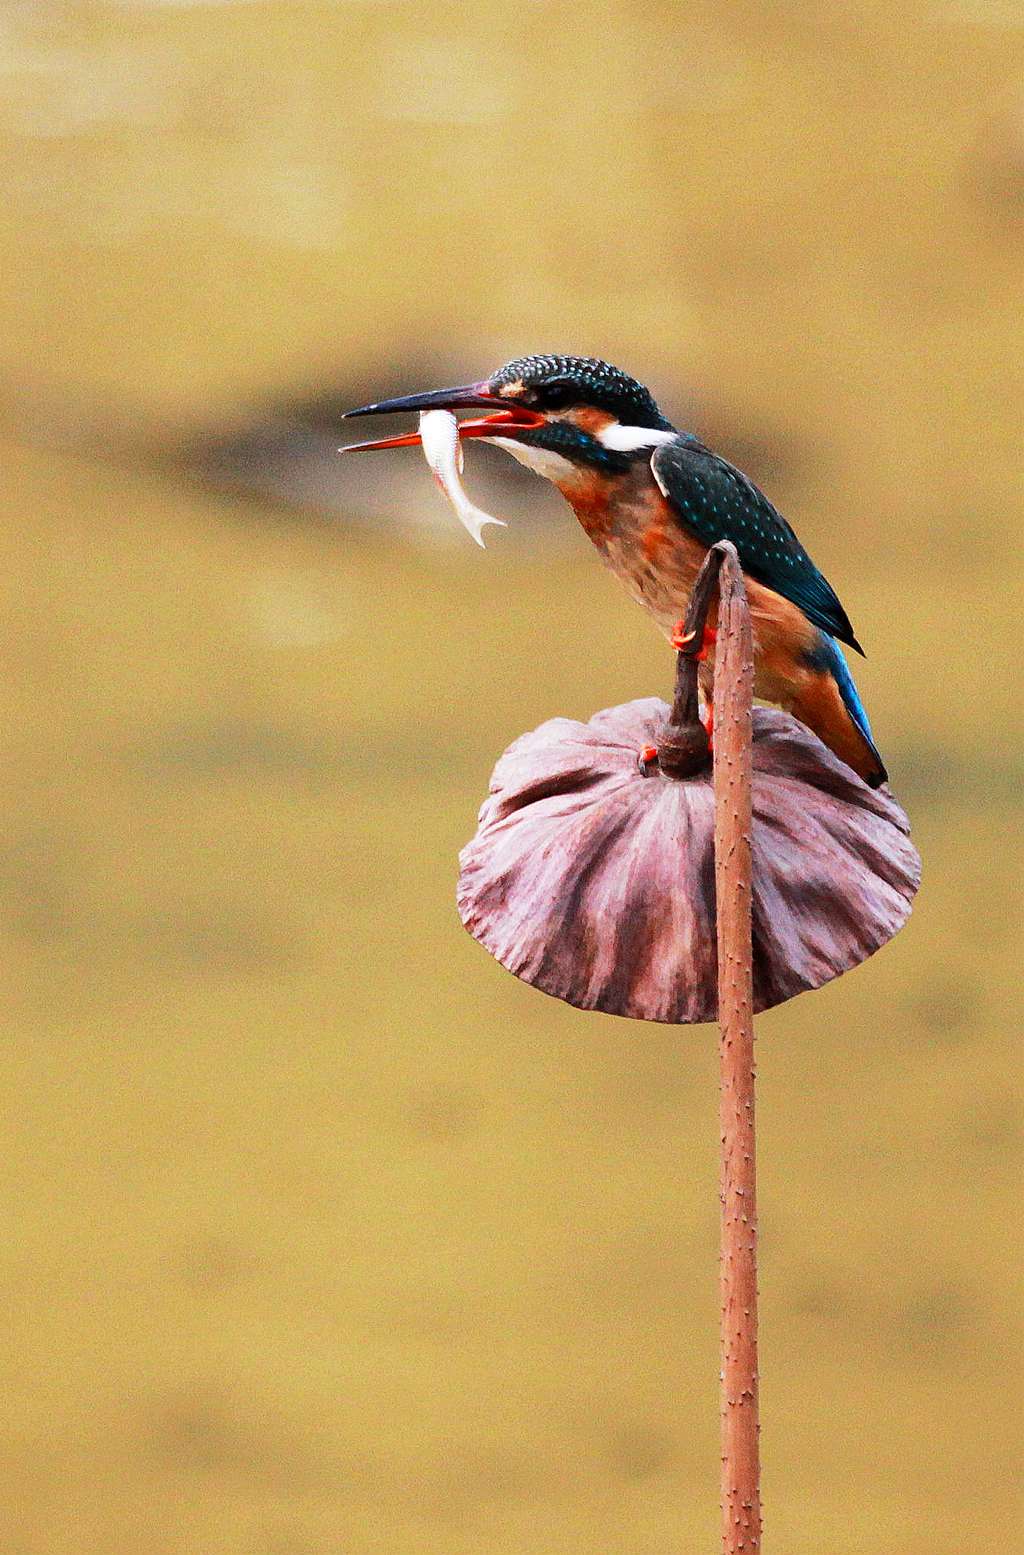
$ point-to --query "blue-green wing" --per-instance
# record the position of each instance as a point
(715, 501)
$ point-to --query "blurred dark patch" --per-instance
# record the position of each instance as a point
(922, 1321)
(996, 166)
(189, 1432)
(993, 1127)
(287, 453)
(224, 940)
(218, 747)
(925, 773)
(638, 1451)
(821, 1297)
(931, 1320)
(446, 1114)
(200, 1432)
(213, 1265)
(35, 875)
(284, 452)
(949, 1006)
(225, 745)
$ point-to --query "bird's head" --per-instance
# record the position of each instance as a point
(562, 416)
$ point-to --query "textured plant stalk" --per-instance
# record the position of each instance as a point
(733, 699)
(618, 887)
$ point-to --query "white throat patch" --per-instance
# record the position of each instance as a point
(626, 440)
(542, 461)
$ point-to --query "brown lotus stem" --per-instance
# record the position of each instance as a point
(733, 700)
(683, 748)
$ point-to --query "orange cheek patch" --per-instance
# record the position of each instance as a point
(591, 420)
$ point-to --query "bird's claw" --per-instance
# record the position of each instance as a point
(685, 642)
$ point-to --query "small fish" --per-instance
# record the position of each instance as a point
(439, 434)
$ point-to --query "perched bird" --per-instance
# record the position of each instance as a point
(652, 500)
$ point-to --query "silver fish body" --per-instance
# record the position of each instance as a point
(439, 434)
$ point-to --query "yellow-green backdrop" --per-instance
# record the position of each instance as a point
(325, 1236)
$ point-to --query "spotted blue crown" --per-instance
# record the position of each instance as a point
(550, 381)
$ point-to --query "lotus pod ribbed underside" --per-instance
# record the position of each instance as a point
(595, 882)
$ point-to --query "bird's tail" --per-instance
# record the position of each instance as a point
(830, 705)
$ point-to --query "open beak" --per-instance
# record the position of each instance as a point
(506, 417)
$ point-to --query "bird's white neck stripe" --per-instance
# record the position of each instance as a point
(542, 461)
(625, 440)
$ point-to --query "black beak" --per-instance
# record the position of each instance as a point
(506, 416)
(469, 396)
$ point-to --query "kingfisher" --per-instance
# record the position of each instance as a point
(653, 500)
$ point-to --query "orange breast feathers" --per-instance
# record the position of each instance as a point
(640, 538)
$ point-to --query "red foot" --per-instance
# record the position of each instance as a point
(683, 641)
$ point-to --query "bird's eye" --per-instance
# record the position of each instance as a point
(558, 396)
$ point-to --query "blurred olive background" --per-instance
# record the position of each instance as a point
(325, 1236)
